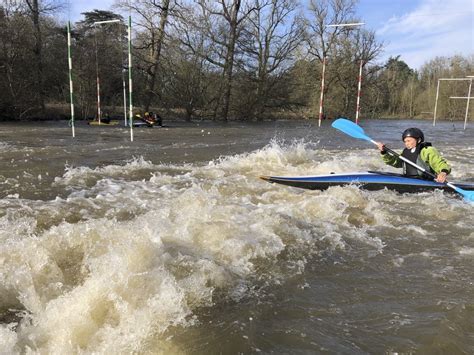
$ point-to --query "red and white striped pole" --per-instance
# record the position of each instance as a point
(71, 87)
(321, 100)
(99, 116)
(130, 86)
(358, 92)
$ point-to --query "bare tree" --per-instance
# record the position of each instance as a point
(352, 47)
(321, 40)
(222, 23)
(273, 34)
(15, 68)
(153, 18)
(36, 9)
(344, 46)
(188, 83)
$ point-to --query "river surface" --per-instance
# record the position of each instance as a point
(172, 245)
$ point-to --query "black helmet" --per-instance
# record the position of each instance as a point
(414, 133)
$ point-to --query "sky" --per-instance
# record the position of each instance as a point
(417, 30)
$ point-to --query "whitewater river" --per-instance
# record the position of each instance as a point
(172, 245)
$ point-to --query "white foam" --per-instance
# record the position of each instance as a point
(80, 175)
(124, 257)
(5, 146)
(8, 339)
(467, 251)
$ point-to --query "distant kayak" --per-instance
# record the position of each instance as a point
(137, 123)
(371, 180)
(142, 124)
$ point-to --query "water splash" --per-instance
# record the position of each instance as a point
(135, 249)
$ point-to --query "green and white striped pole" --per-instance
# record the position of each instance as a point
(71, 94)
(130, 91)
(97, 81)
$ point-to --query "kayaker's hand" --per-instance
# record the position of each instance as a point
(441, 177)
(381, 147)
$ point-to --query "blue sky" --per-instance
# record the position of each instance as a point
(420, 30)
(417, 30)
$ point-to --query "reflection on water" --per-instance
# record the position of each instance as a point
(172, 244)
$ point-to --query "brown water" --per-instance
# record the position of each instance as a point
(171, 244)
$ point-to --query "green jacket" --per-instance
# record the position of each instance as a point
(429, 159)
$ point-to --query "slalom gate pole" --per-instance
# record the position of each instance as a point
(321, 100)
(359, 87)
(99, 111)
(124, 99)
(130, 84)
(436, 104)
(467, 104)
(71, 88)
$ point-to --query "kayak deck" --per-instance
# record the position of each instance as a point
(371, 180)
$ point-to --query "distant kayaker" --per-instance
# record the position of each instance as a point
(157, 118)
(152, 119)
(147, 117)
(419, 152)
(106, 118)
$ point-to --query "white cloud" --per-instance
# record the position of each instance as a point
(434, 28)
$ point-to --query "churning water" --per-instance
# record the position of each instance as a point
(172, 244)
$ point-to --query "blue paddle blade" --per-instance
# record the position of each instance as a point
(468, 195)
(350, 128)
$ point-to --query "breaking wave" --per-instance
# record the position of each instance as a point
(136, 249)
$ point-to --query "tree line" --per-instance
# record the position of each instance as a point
(219, 59)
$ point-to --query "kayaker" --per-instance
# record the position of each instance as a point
(106, 118)
(148, 119)
(157, 118)
(420, 152)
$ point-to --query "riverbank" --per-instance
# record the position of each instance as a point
(61, 112)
